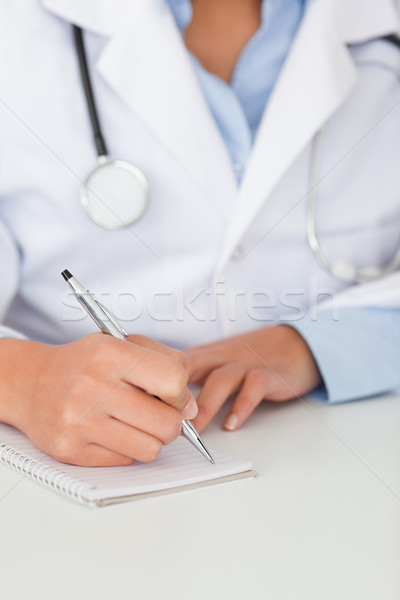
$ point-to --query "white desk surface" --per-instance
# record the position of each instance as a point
(321, 521)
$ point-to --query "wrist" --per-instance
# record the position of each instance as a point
(19, 364)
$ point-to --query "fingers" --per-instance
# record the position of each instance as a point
(124, 440)
(93, 455)
(220, 384)
(101, 413)
(254, 389)
(201, 362)
(74, 448)
(101, 439)
(160, 374)
(142, 340)
(144, 412)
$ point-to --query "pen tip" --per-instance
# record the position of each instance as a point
(66, 274)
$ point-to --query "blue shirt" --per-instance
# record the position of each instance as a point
(238, 107)
(358, 355)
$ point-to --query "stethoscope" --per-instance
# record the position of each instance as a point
(341, 269)
(115, 194)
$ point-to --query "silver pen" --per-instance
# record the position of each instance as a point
(108, 324)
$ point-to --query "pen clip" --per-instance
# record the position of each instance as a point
(110, 315)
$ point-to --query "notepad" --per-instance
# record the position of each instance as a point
(178, 467)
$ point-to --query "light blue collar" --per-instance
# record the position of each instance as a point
(183, 12)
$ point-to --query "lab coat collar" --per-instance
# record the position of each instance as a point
(94, 15)
(147, 65)
(318, 76)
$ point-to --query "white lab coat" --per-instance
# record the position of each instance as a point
(209, 258)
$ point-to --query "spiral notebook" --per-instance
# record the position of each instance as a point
(178, 467)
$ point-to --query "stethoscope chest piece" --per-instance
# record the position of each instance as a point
(115, 194)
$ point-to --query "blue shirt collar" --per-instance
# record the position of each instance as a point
(183, 12)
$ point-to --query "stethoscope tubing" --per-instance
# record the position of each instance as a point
(99, 141)
(356, 275)
(137, 198)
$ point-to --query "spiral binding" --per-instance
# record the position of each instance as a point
(50, 477)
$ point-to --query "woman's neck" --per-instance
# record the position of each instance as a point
(219, 30)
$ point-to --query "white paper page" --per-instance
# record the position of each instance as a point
(179, 464)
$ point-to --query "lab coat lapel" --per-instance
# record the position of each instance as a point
(146, 64)
(317, 77)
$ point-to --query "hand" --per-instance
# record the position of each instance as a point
(269, 364)
(91, 402)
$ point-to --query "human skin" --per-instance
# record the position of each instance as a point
(100, 401)
(92, 402)
(273, 363)
(219, 30)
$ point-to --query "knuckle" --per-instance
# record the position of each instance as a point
(68, 416)
(140, 340)
(98, 352)
(96, 341)
(205, 412)
(107, 349)
(257, 377)
(79, 404)
(172, 429)
(77, 388)
(181, 358)
(151, 451)
(64, 451)
(123, 461)
(176, 381)
(218, 376)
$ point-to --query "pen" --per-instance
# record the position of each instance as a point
(109, 324)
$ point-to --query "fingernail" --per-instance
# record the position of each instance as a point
(190, 410)
(231, 422)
